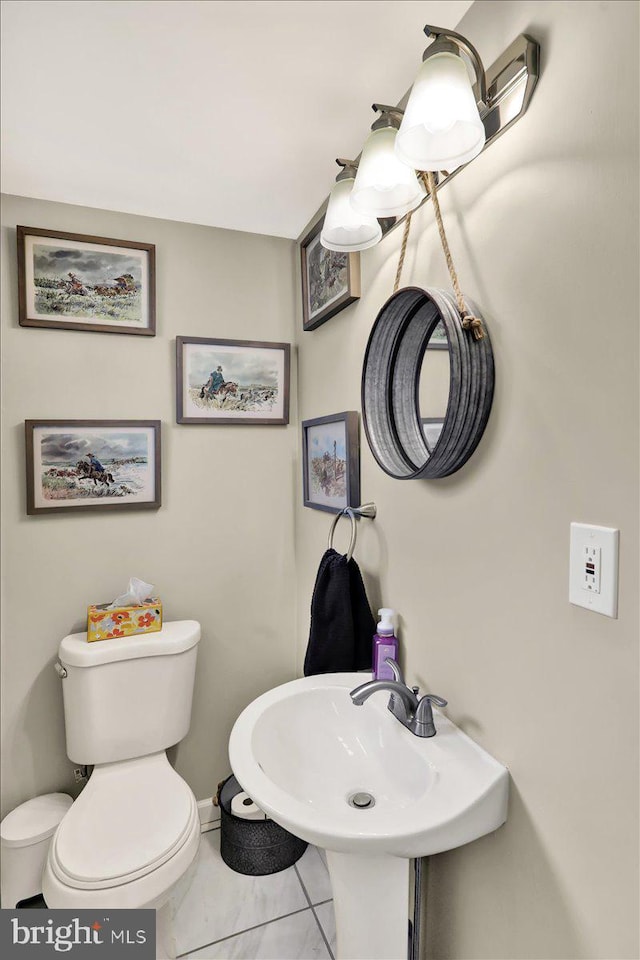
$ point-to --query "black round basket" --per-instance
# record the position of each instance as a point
(254, 847)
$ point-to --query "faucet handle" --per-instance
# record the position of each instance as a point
(423, 720)
(439, 701)
(395, 667)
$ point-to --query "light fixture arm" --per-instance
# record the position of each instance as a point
(463, 44)
(389, 116)
(349, 169)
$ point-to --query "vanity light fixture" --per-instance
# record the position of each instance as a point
(446, 122)
(441, 128)
(344, 229)
(384, 185)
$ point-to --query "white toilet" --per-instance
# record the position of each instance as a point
(134, 830)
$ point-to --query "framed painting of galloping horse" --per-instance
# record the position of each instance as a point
(232, 381)
(80, 282)
(330, 280)
(92, 464)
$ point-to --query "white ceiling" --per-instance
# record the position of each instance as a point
(228, 113)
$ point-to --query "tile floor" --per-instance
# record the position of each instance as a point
(223, 915)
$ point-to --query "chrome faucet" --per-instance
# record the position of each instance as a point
(413, 712)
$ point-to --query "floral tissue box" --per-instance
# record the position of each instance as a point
(104, 624)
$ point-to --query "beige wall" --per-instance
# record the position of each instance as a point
(543, 228)
(219, 550)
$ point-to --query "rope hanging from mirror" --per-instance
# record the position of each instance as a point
(469, 320)
(403, 250)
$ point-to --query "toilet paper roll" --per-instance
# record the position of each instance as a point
(243, 806)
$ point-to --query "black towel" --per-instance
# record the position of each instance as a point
(342, 627)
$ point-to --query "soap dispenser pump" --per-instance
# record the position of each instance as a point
(385, 644)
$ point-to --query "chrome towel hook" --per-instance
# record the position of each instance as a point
(366, 510)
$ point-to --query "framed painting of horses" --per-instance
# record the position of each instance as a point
(78, 282)
(232, 381)
(92, 464)
(330, 280)
(331, 462)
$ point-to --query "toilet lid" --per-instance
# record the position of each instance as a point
(34, 820)
(130, 818)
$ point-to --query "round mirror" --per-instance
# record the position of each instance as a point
(427, 385)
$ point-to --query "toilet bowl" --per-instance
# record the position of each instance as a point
(126, 841)
(134, 830)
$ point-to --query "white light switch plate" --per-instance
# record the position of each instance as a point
(593, 568)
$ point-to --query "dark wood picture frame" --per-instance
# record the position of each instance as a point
(25, 320)
(352, 292)
(351, 420)
(181, 414)
(438, 339)
(431, 434)
(31, 426)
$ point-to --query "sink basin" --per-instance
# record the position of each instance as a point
(303, 749)
(308, 756)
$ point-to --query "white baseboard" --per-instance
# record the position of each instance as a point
(209, 815)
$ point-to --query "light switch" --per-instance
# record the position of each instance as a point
(593, 568)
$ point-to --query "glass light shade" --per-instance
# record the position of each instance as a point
(441, 128)
(384, 185)
(345, 230)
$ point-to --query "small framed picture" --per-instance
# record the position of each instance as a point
(331, 462)
(78, 282)
(330, 280)
(438, 339)
(232, 381)
(92, 464)
(432, 427)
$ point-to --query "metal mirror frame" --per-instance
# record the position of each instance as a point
(391, 379)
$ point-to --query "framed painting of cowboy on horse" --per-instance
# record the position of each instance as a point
(89, 464)
(232, 381)
(79, 282)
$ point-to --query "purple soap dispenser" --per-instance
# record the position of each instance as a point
(385, 644)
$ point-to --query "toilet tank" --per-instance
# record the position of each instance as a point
(130, 696)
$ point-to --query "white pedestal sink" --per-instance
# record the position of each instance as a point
(303, 750)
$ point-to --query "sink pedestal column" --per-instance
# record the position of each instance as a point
(371, 903)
